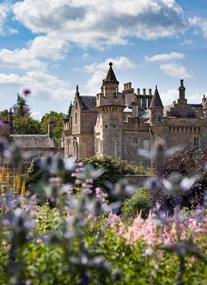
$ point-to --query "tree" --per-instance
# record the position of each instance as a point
(57, 119)
(23, 122)
(4, 114)
(70, 109)
(27, 125)
(21, 109)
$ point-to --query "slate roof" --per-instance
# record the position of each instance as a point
(88, 103)
(33, 141)
(156, 100)
(111, 75)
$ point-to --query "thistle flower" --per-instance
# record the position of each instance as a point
(26, 92)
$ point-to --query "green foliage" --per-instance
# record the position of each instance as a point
(57, 119)
(139, 202)
(26, 125)
(78, 241)
(114, 170)
(4, 114)
(21, 109)
(116, 167)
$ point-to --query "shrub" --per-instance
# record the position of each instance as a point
(139, 202)
(114, 170)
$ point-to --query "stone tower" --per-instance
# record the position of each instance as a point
(110, 104)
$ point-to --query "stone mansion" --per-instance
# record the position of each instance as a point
(119, 124)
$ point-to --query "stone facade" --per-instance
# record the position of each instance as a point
(119, 124)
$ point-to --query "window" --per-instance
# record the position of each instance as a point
(196, 143)
(76, 118)
(146, 145)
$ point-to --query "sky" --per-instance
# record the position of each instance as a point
(50, 46)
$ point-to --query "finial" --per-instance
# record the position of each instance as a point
(156, 87)
(110, 64)
(181, 82)
(77, 90)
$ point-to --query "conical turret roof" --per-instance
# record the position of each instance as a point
(110, 74)
(156, 100)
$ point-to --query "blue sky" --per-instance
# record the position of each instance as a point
(50, 46)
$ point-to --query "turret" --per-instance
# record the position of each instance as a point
(156, 108)
(110, 105)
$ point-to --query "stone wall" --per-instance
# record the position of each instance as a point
(137, 181)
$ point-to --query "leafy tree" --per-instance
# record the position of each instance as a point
(27, 125)
(23, 122)
(21, 109)
(57, 119)
(4, 113)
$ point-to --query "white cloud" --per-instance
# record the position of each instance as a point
(94, 83)
(175, 70)
(195, 98)
(42, 85)
(121, 62)
(20, 59)
(199, 22)
(4, 11)
(169, 96)
(42, 47)
(187, 42)
(99, 71)
(36, 115)
(86, 23)
(49, 47)
(165, 57)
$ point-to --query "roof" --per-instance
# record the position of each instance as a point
(110, 74)
(197, 106)
(33, 141)
(156, 100)
(88, 103)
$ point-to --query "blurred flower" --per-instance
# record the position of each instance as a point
(2, 124)
(26, 92)
(14, 107)
(26, 109)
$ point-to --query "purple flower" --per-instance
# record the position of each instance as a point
(2, 124)
(14, 107)
(26, 92)
(26, 109)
